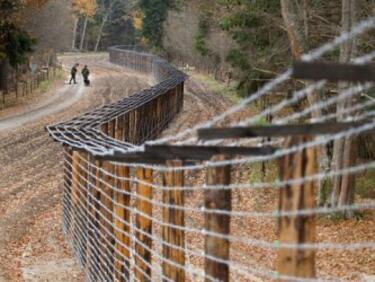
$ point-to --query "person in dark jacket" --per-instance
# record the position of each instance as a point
(85, 73)
(73, 74)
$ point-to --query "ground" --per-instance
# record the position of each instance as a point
(31, 244)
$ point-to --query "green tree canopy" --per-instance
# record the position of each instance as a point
(15, 43)
(253, 26)
(155, 13)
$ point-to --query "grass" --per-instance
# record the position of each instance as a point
(365, 189)
(269, 175)
(366, 185)
(229, 92)
(271, 172)
(75, 54)
(44, 85)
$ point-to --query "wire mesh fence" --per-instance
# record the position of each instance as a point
(191, 208)
(18, 86)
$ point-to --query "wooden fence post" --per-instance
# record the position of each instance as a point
(122, 200)
(159, 114)
(122, 232)
(3, 99)
(67, 202)
(137, 125)
(93, 226)
(217, 199)
(78, 207)
(106, 221)
(297, 229)
(6, 90)
(172, 216)
(83, 185)
(100, 215)
(16, 88)
(107, 201)
(106, 210)
(120, 128)
(125, 133)
(144, 224)
(74, 191)
(131, 127)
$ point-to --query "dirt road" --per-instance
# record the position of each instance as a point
(31, 244)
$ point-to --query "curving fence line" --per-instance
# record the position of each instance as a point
(138, 118)
(181, 212)
(205, 212)
(116, 127)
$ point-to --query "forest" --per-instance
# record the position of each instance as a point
(242, 38)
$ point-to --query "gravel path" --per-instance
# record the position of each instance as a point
(31, 244)
(57, 101)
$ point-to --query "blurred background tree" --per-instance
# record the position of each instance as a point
(15, 42)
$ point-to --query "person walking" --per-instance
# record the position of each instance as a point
(85, 73)
(73, 74)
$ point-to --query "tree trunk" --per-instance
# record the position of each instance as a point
(345, 54)
(75, 33)
(83, 33)
(297, 29)
(306, 17)
(104, 21)
(293, 28)
(4, 72)
(343, 154)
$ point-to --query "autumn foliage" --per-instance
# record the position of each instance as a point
(15, 42)
(85, 7)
